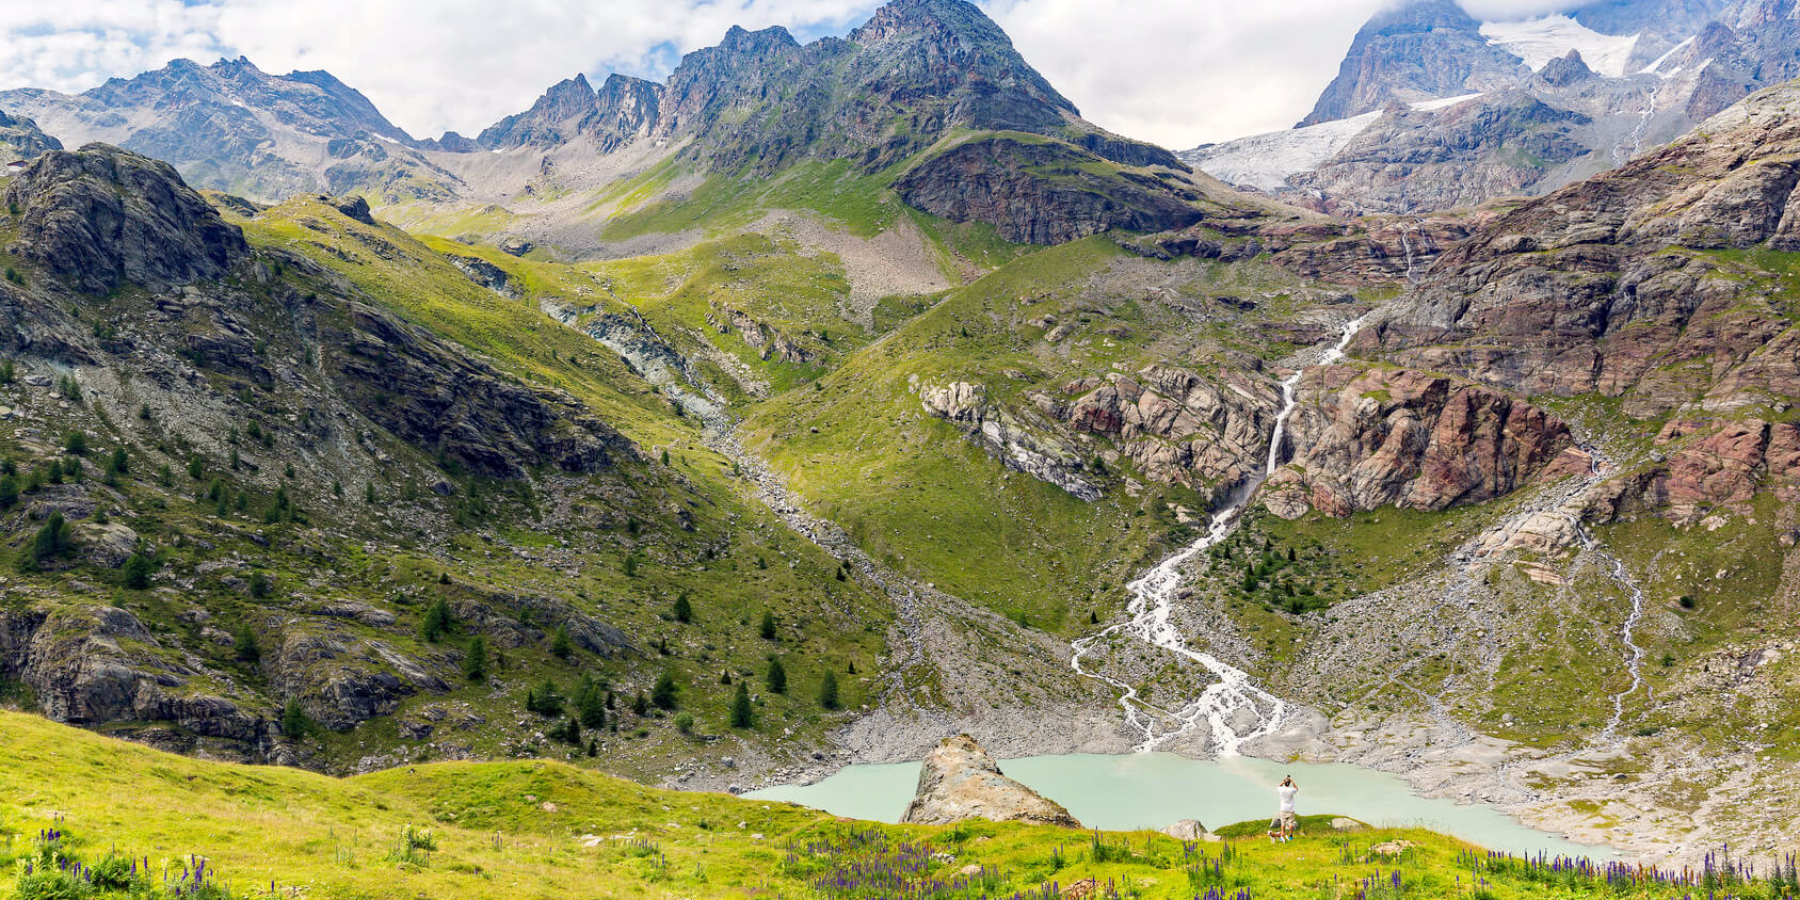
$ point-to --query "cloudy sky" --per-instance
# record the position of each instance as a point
(1178, 72)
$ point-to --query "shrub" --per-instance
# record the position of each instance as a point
(684, 723)
(261, 586)
(75, 443)
(684, 610)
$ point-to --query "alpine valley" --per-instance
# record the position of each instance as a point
(822, 402)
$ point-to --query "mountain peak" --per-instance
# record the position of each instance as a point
(945, 16)
(773, 38)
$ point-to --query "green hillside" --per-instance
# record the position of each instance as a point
(543, 829)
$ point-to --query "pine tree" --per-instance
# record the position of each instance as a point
(663, 694)
(768, 626)
(851, 669)
(640, 706)
(684, 610)
(9, 491)
(1093, 617)
(438, 621)
(137, 571)
(547, 700)
(475, 663)
(777, 679)
(294, 723)
(590, 705)
(740, 707)
(196, 468)
(55, 539)
(559, 643)
(828, 690)
(245, 644)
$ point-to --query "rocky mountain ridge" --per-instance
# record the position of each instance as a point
(1532, 105)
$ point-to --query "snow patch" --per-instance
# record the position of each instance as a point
(1538, 41)
(1443, 103)
(1267, 161)
(1652, 68)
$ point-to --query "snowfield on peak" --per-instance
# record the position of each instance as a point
(1538, 41)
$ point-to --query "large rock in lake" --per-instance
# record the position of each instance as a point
(960, 781)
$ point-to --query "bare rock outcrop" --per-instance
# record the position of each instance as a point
(1381, 437)
(960, 781)
(1178, 427)
(103, 217)
(1022, 441)
(1043, 192)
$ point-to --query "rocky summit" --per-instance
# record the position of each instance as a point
(501, 508)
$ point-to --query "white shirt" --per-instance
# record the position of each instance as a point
(1287, 797)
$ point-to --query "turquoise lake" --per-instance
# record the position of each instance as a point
(1151, 790)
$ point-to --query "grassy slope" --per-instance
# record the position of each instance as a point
(515, 830)
(561, 537)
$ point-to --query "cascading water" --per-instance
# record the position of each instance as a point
(1232, 699)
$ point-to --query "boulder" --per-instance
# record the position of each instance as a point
(1187, 830)
(960, 781)
(108, 545)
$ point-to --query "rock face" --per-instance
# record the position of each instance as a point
(623, 108)
(1383, 437)
(1177, 427)
(428, 393)
(105, 216)
(1412, 160)
(1611, 285)
(1019, 440)
(1041, 193)
(1417, 50)
(959, 781)
(20, 138)
(1539, 102)
(95, 665)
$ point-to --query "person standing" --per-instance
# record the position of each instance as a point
(1290, 820)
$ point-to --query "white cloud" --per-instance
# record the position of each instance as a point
(1185, 72)
(1509, 10)
(1178, 72)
